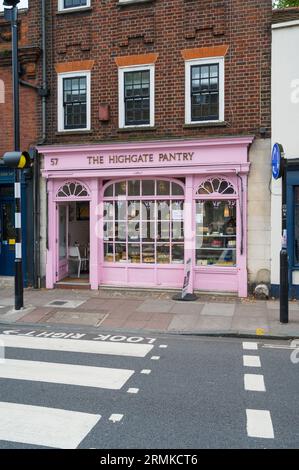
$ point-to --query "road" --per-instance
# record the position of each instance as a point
(71, 388)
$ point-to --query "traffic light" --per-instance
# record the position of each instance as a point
(10, 3)
(18, 160)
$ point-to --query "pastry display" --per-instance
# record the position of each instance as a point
(148, 259)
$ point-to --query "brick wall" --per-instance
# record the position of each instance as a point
(285, 14)
(29, 100)
(108, 30)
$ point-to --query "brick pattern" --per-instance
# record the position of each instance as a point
(29, 100)
(166, 28)
(285, 14)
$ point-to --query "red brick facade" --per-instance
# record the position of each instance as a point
(29, 99)
(109, 30)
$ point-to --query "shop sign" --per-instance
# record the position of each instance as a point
(119, 160)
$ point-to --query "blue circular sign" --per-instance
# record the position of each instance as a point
(276, 160)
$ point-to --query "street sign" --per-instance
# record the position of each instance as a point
(277, 155)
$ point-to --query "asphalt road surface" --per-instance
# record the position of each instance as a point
(72, 388)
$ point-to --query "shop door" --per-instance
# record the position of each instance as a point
(7, 237)
(62, 251)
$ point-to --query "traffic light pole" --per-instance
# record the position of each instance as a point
(12, 14)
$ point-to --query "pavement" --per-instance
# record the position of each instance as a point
(151, 311)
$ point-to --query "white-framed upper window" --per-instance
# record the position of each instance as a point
(73, 101)
(204, 88)
(68, 5)
(136, 96)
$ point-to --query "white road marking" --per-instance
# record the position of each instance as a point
(251, 361)
(88, 376)
(146, 371)
(155, 358)
(163, 346)
(42, 426)
(249, 345)
(259, 424)
(278, 346)
(116, 418)
(133, 390)
(73, 345)
(254, 382)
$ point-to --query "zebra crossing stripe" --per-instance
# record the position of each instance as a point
(80, 346)
(41, 426)
(259, 424)
(68, 374)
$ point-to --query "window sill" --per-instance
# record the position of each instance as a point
(132, 2)
(74, 132)
(136, 129)
(206, 124)
(74, 10)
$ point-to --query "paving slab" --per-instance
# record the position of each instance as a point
(187, 308)
(210, 323)
(78, 318)
(160, 306)
(7, 301)
(36, 316)
(250, 323)
(218, 309)
(183, 322)
(252, 311)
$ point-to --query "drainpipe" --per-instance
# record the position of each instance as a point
(36, 171)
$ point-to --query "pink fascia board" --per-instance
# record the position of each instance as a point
(157, 154)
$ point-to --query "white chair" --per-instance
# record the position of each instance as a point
(74, 255)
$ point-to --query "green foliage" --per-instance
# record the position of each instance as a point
(286, 3)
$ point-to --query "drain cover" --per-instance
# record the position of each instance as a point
(65, 303)
(58, 302)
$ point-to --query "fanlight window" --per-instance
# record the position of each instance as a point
(216, 185)
(74, 189)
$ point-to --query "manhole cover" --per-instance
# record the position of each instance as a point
(57, 302)
(65, 303)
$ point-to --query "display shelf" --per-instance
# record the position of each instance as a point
(224, 248)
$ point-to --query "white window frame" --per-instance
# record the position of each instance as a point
(209, 61)
(60, 112)
(121, 95)
(61, 6)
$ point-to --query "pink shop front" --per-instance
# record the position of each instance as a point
(132, 214)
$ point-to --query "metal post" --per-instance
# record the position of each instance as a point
(19, 300)
(284, 265)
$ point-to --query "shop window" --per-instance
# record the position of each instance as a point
(216, 230)
(216, 185)
(216, 241)
(71, 189)
(145, 226)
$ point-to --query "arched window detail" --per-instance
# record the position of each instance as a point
(216, 185)
(72, 189)
(144, 188)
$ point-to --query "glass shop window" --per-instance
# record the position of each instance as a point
(216, 234)
(144, 222)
